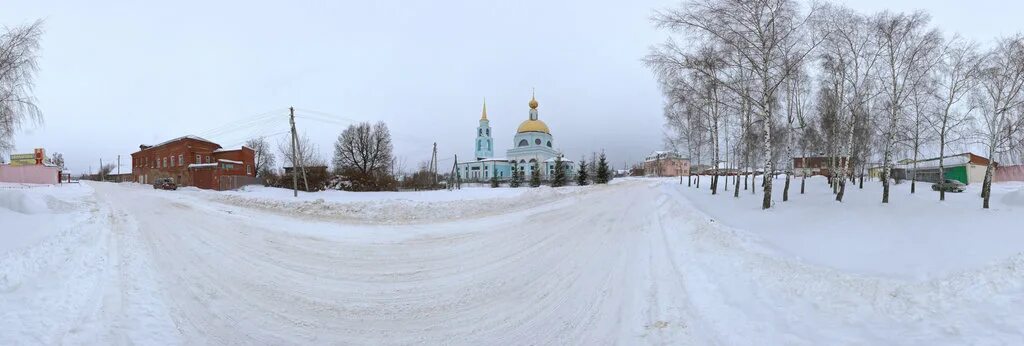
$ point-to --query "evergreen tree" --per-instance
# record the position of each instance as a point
(517, 177)
(582, 178)
(559, 179)
(602, 176)
(494, 181)
(535, 175)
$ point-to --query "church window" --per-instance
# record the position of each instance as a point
(488, 131)
(549, 144)
(479, 132)
(536, 141)
(523, 143)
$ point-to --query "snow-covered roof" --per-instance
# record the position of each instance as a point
(202, 165)
(553, 160)
(229, 161)
(221, 150)
(664, 154)
(954, 160)
(183, 137)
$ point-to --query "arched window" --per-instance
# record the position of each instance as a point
(523, 143)
(488, 131)
(536, 141)
(479, 132)
(549, 144)
(522, 161)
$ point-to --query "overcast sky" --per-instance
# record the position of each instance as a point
(116, 74)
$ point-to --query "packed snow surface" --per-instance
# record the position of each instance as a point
(635, 262)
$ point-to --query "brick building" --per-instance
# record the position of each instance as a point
(818, 165)
(194, 161)
(666, 164)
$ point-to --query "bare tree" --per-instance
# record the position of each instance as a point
(767, 36)
(908, 47)
(1001, 78)
(19, 51)
(954, 76)
(308, 153)
(363, 153)
(57, 159)
(265, 159)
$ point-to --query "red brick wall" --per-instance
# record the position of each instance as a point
(144, 162)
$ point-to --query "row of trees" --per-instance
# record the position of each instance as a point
(757, 83)
(598, 169)
(362, 161)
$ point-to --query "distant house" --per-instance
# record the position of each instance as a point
(818, 165)
(666, 164)
(966, 167)
(194, 161)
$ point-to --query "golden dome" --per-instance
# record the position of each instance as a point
(533, 102)
(533, 125)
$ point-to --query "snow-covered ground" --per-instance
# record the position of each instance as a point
(914, 236)
(641, 261)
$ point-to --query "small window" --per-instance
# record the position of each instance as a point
(248, 170)
(208, 160)
(172, 161)
(536, 141)
(549, 144)
(523, 143)
(488, 131)
(165, 162)
(479, 132)
(199, 158)
(181, 160)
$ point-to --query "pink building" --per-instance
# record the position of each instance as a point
(666, 164)
(29, 174)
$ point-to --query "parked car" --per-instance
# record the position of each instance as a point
(165, 184)
(949, 185)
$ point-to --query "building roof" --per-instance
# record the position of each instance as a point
(193, 137)
(533, 126)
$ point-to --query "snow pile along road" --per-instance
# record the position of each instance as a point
(393, 207)
(636, 262)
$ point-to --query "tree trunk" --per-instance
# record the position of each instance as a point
(803, 182)
(736, 182)
(785, 190)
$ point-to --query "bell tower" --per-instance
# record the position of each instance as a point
(484, 142)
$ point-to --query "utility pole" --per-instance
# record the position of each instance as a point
(101, 170)
(456, 177)
(118, 166)
(295, 177)
(433, 163)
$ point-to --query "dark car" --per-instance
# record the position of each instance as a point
(949, 185)
(165, 184)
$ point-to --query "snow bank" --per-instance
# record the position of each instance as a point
(19, 201)
(1014, 198)
(394, 207)
(914, 236)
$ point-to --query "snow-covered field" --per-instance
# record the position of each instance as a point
(636, 262)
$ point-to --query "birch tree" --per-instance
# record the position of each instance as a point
(955, 76)
(1000, 97)
(907, 46)
(19, 53)
(770, 36)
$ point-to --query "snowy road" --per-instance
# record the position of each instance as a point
(630, 263)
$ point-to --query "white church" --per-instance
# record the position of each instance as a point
(532, 144)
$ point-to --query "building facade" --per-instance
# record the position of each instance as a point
(194, 161)
(532, 145)
(818, 165)
(967, 168)
(666, 164)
